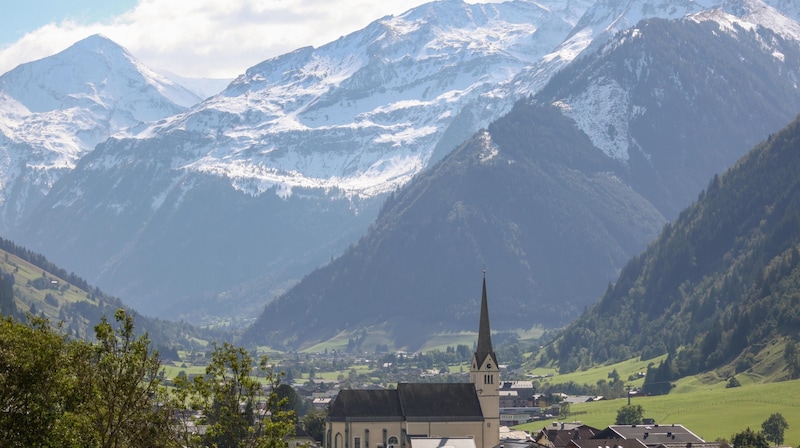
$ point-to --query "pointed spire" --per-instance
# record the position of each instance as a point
(484, 332)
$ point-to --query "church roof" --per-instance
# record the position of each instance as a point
(440, 400)
(371, 404)
(410, 401)
(484, 348)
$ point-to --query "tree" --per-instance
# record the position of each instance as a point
(239, 413)
(117, 389)
(289, 400)
(733, 382)
(55, 393)
(563, 409)
(630, 415)
(749, 439)
(774, 427)
(31, 382)
(314, 423)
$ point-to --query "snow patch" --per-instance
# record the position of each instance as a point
(602, 112)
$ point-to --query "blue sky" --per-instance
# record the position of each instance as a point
(194, 38)
(32, 14)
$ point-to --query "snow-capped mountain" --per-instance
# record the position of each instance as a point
(365, 113)
(339, 125)
(556, 196)
(286, 167)
(617, 109)
(55, 110)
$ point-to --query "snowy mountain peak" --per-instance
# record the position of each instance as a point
(56, 109)
(363, 114)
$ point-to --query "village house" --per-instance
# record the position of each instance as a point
(423, 415)
(653, 435)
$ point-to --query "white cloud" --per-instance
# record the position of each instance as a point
(209, 38)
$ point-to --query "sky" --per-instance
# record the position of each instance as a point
(191, 38)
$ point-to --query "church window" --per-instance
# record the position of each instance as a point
(488, 366)
(357, 442)
(488, 379)
(392, 440)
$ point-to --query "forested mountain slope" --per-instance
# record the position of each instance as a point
(558, 194)
(530, 199)
(717, 285)
(32, 285)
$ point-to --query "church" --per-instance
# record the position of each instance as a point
(422, 415)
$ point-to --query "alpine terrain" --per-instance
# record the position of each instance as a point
(277, 174)
(721, 283)
(215, 210)
(55, 110)
(554, 195)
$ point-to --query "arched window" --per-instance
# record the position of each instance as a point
(337, 442)
(392, 441)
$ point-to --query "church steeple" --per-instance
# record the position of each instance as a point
(484, 348)
(485, 375)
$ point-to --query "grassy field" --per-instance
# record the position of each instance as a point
(625, 369)
(712, 412)
(23, 272)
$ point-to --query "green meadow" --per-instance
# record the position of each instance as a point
(712, 412)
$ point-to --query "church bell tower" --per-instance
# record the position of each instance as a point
(485, 375)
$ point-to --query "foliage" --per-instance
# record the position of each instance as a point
(718, 283)
(564, 409)
(658, 380)
(120, 386)
(238, 411)
(733, 382)
(32, 382)
(749, 439)
(314, 423)
(774, 428)
(78, 394)
(630, 415)
(7, 305)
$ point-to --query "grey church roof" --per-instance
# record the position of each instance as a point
(410, 401)
(370, 404)
(457, 401)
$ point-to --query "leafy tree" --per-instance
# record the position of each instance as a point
(56, 393)
(31, 382)
(314, 423)
(630, 415)
(563, 409)
(239, 413)
(733, 382)
(289, 400)
(749, 439)
(774, 427)
(117, 389)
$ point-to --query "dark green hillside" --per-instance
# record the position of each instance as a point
(531, 199)
(719, 283)
(29, 283)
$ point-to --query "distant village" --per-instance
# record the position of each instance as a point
(429, 407)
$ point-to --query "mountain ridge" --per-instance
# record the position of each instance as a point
(719, 282)
(55, 110)
(550, 234)
(326, 133)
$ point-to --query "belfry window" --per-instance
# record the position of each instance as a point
(488, 379)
